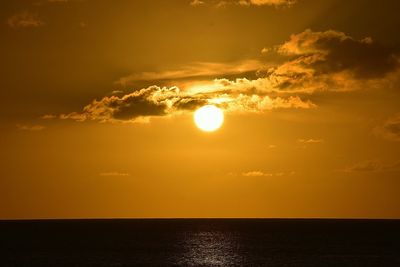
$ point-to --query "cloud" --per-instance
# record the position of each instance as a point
(116, 92)
(224, 3)
(265, 50)
(256, 174)
(48, 117)
(333, 51)
(120, 174)
(390, 129)
(316, 62)
(267, 2)
(55, 2)
(265, 174)
(310, 141)
(194, 70)
(148, 102)
(24, 20)
(23, 127)
(332, 60)
(155, 101)
(372, 166)
(196, 3)
(42, 2)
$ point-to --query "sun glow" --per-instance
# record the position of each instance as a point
(209, 118)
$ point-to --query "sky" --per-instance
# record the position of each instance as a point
(98, 98)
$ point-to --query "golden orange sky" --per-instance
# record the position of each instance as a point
(99, 96)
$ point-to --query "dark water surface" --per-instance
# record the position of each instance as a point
(200, 242)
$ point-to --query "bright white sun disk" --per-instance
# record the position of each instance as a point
(209, 118)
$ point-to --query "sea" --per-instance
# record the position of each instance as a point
(200, 242)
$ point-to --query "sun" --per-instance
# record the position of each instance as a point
(209, 118)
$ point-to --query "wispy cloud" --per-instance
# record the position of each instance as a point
(372, 166)
(48, 117)
(24, 127)
(265, 174)
(310, 141)
(24, 20)
(115, 174)
(43, 2)
(256, 174)
(194, 70)
(57, 1)
(390, 128)
(196, 3)
(225, 3)
(267, 2)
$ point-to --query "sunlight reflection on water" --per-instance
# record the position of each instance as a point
(209, 248)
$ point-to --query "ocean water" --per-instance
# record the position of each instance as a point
(200, 242)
